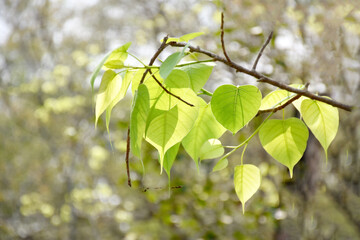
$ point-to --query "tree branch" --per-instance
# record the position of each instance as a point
(282, 106)
(222, 37)
(152, 60)
(127, 157)
(168, 92)
(261, 51)
(263, 78)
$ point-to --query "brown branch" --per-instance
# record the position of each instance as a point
(222, 37)
(167, 91)
(127, 157)
(261, 51)
(263, 78)
(159, 188)
(152, 60)
(282, 106)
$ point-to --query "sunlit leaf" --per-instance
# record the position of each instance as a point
(121, 94)
(167, 127)
(199, 74)
(170, 62)
(117, 57)
(278, 97)
(322, 119)
(169, 158)
(220, 165)
(97, 70)
(108, 90)
(285, 140)
(177, 79)
(205, 127)
(211, 148)
(247, 181)
(136, 80)
(140, 110)
(190, 36)
(234, 107)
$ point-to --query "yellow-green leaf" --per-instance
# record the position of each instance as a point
(220, 165)
(109, 87)
(285, 140)
(247, 181)
(322, 119)
(211, 148)
(117, 57)
(278, 97)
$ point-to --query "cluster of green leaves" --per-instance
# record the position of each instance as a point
(166, 122)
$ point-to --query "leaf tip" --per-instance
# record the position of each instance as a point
(243, 208)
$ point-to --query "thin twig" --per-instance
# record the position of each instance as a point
(282, 106)
(168, 92)
(261, 51)
(263, 78)
(222, 37)
(127, 157)
(159, 188)
(152, 60)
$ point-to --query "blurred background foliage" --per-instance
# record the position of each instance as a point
(59, 177)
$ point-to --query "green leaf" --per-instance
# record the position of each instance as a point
(190, 36)
(184, 38)
(97, 70)
(177, 79)
(220, 165)
(278, 97)
(322, 119)
(211, 148)
(169, 158)
(139, 113)
(205, 127)
(199, 74)
(121, 94)
(285, 140)
(297, 103)
(234, 107)
(166, 127)
(108, 90)
(136, 80)
(117, 57)
(247, 181)
(170, 62)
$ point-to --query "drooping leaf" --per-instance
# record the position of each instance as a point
(139, 113)
(247, 181)
(220, 165)
(170, 62)
(278, 97)
(177, 79)
(117, 57)
(205, 127)
(322, 119)
(166, 127)
(211, 148)
(109, 87)
(199, 74)
(97, 70)
(169, 158)
(121, 94)
(285, 140)
(234, 107)
(136, 80)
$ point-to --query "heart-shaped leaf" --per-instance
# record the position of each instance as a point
(177, 79)
(322, 119)
(234, 107)
(199, 74)
(117, 57)
(247, 181)
(139, 113)
(211, 148)
(285, 140)
(220, 165)
(170, 62)
(278, 97)
(205, 127)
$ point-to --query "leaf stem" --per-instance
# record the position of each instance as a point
(205, 92)
(137, 59)
(242, 154)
